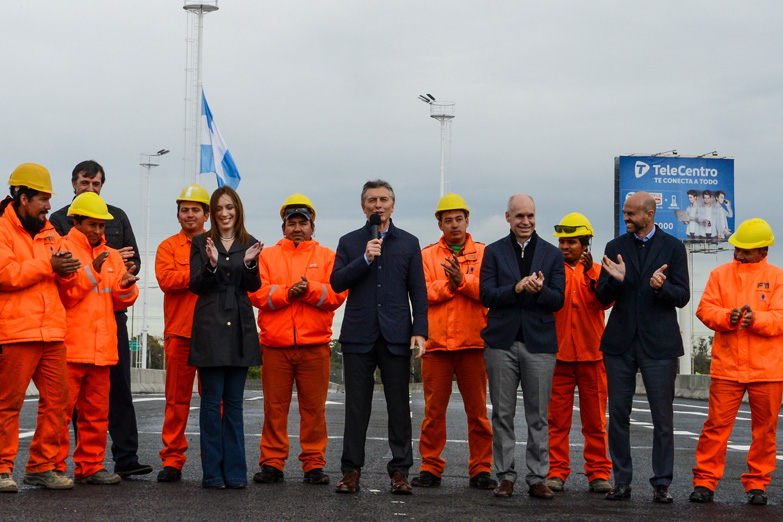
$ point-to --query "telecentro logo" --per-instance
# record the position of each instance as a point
(641, 169)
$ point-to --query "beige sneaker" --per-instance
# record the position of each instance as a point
(100, 478)
(555, 483)
(7, 484)
(51, 479)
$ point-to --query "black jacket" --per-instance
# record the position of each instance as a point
(224, 327)
(379, 293)
(639, 310)
(508, 311)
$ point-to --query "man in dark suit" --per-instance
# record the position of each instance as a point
(645, 273)
(382, 275)
(88, 176)
(523, 284)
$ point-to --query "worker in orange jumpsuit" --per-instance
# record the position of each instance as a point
(172, 268)
(32, 326)
(454, 347)
(296, 304)
(104, 286)
(580, 324)
(743, 304)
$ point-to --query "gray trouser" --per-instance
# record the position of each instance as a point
(506, 369)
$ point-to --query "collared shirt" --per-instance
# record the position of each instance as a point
(647, 237)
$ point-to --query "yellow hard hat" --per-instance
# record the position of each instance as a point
(297, 204)
(573, 225)
(89, 204)
(451, 201)
(194, 193)
(33, 176)
(753, 233)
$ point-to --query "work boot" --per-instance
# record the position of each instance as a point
(599, 485)
(7, 484)
(316, 476)
(555, 483)
(100, 478)
(701, 494)
(757, 497)
(426, 480)
(169, 474)
(483, 480)
(52, 479)
(268, 475)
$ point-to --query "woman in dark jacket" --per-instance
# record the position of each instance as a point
(224, 342)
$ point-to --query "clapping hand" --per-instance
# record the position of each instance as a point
(298, 289)
(212, 253)
(657, 279)
(616, 270)
(251, 254)
(453, 272)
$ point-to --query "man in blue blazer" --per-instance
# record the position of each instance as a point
(522, 283)
(382, 275)
(645, 273)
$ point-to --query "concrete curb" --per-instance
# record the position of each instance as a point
(154, 381)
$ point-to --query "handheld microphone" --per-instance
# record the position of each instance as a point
(375, 221)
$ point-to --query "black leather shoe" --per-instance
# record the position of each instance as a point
(661, 495)
(169, 474)
(426, 480)
(316, 476)
(268, 475)
(701, 494)
(133, 469)
(619, 492)
(483, 480)
(757, 497)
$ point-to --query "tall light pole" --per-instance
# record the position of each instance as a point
(147, 161)
(193, 60)
(443, 111)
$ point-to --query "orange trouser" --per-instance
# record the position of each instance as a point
(590, 378)
(179, 390)
(308, 366)
(437, 371)
(88, 392)
(44, 363)
(725, 398)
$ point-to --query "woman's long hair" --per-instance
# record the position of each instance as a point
(239, 227)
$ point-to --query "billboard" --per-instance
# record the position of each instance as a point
(694, 196)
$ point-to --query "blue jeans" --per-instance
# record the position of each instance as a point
(222, 439)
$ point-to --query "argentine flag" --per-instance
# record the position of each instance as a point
(215, 156)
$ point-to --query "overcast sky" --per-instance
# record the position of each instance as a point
(318, 97)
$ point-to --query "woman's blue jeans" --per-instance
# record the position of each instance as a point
(222, 438)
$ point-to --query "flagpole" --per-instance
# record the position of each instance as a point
(199, 96)
(199, 9)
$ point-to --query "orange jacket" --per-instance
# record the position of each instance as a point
(754, 354)
(172, 268)
(30, 307)
(455, 318)
(580, 323)
(307, 320)
(90, 304)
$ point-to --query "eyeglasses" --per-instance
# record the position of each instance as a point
(568, 229)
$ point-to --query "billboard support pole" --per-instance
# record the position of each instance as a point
(686, 321)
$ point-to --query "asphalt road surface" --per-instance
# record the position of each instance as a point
(143, 498)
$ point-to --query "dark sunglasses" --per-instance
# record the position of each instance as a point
(566, 229)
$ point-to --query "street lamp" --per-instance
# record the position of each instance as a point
(147, 161)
